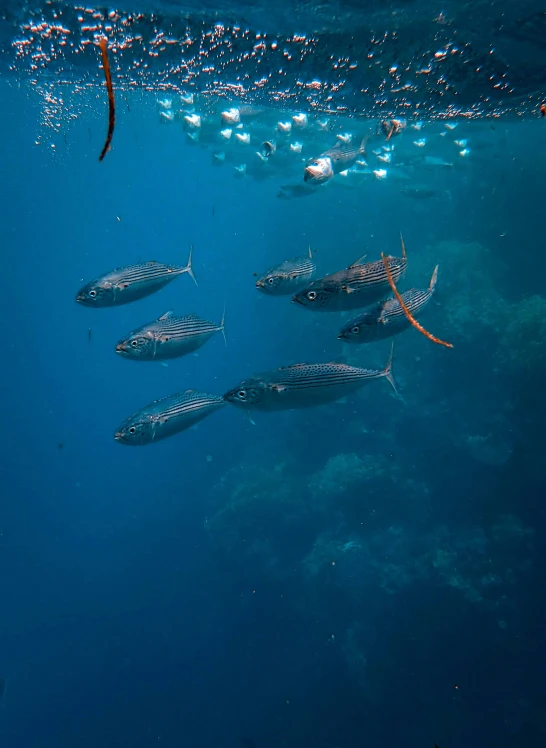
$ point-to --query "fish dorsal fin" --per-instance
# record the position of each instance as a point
(223, 325)
(292, 367)
(434, 279)
(403, 246)
(167, 315)
(358, 262)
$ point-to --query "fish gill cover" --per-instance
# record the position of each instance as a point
(471, 58)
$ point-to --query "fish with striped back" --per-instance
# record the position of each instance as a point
(358, 286)
(167, 417)
(288, 277)
(131, 283)
(342, 156)
(304, 386)
(388, 318)
(169, 337)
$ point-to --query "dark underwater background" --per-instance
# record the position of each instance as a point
(364, 574)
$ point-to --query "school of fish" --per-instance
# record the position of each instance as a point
(366, 286)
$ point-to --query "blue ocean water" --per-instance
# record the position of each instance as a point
(358, 574)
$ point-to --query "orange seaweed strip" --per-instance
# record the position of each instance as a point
(407, 311)
(111, 104)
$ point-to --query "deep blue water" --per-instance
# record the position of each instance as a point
(367, 573)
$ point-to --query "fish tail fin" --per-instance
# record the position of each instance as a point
(403, 246)
(388, 373)
(222, 325)
(188, 269)
(363, 143)
(433, 280)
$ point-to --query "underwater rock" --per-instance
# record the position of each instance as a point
(492, 449)
(522, 347)
(255, 507)
(341, 473)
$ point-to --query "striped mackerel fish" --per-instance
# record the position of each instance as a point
(359, 285)
(388, 318)
(304, 385)
(167, 417)
(168, 337)
(130, 283)
(287, 277)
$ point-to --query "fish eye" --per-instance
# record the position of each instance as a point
(134, 343)
(311, 295)
(355, 330)
(92, 294)
(270, 281)
(132, 430)
(241, 394)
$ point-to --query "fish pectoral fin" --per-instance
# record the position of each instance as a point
(279, 388)
(248, 417)
(349, 289)
(164, 363)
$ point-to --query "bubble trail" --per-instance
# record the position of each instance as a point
(111, 103)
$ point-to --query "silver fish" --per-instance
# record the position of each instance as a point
(130, 283)
(387, 318)
(168, 337)
(303, 386)
(332, 161)
(289, 191)
(288, 276)
(167, 417)
(359, 285)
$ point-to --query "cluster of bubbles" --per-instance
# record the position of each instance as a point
(427, 65)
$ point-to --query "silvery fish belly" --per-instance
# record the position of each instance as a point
(168, 337)
(388, 318)
(287, 277)
(303, 386)
(166, 417)
(130, 283)
(358, 286)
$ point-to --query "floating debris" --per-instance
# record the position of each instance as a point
(111, 102)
